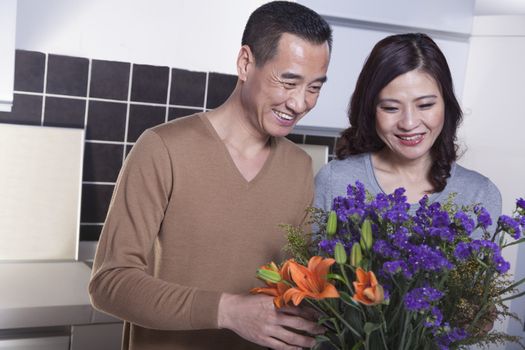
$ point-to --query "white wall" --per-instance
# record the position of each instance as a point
(200, 35)
(205, 35)
(358, 25)
(494, 124)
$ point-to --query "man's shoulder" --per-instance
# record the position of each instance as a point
(179, 126)
(288, 147)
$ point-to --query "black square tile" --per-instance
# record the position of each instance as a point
(128, 148)
(187, 88)
(27, 109)
(321, 140)
(90, 232)
(143, 117)
(109, 80)
(220, 86)
(106, 121)
(102, 162)
(67, 75)
(64, 112)
(296, 138)
(29, 71)
(150, 84)
(176, 112)
(95, 202)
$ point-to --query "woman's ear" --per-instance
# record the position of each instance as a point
(245, 60)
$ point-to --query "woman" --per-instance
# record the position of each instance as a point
(404, 117)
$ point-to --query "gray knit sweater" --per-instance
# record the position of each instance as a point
(471, 187)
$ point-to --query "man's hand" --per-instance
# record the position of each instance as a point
(255, 318)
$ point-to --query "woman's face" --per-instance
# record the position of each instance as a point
(410, 115)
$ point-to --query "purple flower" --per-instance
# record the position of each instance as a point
(425, 258)
(440, 219)
(510, 226)
(395, 216)
(465, 222)
(444, 340)
(380, 202)
(400, 238)
(419, 299)
(327, 245)
(483, 215)
(521, 203)
(463, 251)
(396, 266)
(502, 266)
(434, 319)
(384, 249)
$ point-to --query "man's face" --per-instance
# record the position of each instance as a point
(279, 93)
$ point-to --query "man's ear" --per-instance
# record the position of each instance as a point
(245, 61)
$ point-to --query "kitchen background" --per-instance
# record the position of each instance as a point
(115, 68)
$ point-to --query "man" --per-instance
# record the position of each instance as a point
(197, 204)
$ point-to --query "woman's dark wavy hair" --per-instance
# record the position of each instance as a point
(391, 57)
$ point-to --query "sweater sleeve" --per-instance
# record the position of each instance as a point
(491, 200)
(323, 188)
(121, 282)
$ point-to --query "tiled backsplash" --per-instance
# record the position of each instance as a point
(115, 102)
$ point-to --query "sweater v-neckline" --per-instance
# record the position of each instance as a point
(433, 197)
(229, 159)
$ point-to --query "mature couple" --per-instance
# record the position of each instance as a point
(197, 204)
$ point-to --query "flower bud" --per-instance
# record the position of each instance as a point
(270, 276)
(366, 235)
(331, 225)
(340, 253)
(356, 255)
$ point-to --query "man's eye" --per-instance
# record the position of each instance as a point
(289, 85)
(315, 88)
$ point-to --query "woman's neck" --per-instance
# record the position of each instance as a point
(413, 175)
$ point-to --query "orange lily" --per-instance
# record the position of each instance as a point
(275, 289)
(311, 281)
(367, 290)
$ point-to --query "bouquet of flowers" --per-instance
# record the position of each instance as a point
(383, 278)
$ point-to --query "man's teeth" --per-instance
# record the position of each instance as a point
(284, 115)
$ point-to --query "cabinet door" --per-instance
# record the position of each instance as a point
(43, 343)
(7, 53)
(105, 336)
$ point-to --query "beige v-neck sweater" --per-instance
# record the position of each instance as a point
(184, 226)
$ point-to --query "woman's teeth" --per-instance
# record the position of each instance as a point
(410, 138)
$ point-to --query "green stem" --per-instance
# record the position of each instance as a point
(336, 314)
(407, 321)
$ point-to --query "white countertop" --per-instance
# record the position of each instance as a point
(43, 294)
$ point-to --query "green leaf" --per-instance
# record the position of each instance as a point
(370, 327)
(512, 243)
(347, 299)
(358, 345)
(513, 296)
(335, 276)
(512, 286)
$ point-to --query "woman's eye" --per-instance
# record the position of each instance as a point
(388, 109)
(426, 105)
